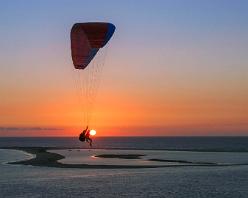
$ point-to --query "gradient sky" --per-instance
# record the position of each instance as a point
(173, 68)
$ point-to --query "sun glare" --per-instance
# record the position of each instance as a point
(92, 132)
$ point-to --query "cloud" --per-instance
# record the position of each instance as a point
(29, 128)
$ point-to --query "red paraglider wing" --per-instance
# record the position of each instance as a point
(80, 48)
(86, 39)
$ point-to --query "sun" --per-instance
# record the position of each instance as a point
(92, 132)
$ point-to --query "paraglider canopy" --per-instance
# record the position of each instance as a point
(87, 39)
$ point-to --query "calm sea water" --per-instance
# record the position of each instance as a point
(170, 182)
(157, 143)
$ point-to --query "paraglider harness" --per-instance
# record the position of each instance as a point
(82, 136)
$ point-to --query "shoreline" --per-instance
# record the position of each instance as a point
(44, 158)
(120, 148)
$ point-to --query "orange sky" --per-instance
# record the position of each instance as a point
(136, 112)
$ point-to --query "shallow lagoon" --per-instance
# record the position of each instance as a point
(176, 182)
(88, 156)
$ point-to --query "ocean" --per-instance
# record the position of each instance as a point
(232, 144)
(26, 181)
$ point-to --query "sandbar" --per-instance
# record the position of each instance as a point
(44, 156)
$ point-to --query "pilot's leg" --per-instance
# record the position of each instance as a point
(90, 141)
